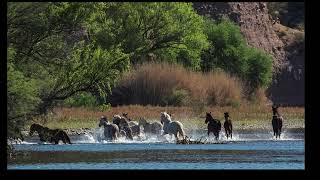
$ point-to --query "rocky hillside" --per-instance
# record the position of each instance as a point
(262, 31)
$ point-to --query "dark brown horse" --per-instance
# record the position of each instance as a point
(277, 121)
(227, 125)
(123, 124)
(214, 125)
(49, 135)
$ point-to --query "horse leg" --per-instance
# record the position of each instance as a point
(176, 135)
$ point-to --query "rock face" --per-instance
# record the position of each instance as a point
(258, 28)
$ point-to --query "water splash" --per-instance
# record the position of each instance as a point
(97, 136)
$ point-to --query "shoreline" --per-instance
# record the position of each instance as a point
(83, 131)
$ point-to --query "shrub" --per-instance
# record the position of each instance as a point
(171, 84)
(178, 97)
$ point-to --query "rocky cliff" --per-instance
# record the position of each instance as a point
(261, 31)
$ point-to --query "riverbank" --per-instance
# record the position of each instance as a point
(78, 121)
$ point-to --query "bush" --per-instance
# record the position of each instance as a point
(223, 90)
(259, 73)
(171, 84)
(230, 52)
(177, 97)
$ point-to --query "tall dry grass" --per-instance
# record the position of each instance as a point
(171, 84)
(243, 117)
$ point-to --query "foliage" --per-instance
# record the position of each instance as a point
(55, 56)
(68, 50)
(170, 31)
(229, 52)
(22, 97)
(259, 73)
(172, 84)
(178, 97)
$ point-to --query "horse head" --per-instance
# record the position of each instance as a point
(33, 128)
(165, 118)
(208, 117)
(226, 115)
(103, 120)
(116, 119)
(275, 110)
(126, 116)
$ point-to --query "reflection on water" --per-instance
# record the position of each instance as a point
(157, 165)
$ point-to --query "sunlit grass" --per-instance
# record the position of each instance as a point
(244, 117)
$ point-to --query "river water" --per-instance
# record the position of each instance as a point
(247, 150)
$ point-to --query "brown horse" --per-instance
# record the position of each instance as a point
(123, 124)
(227, 125)
(111, 131)
(134, 125)
(49, 135)
(277, 121)
(214, 125)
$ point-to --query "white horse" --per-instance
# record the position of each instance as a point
(171, 127)
(111, 131)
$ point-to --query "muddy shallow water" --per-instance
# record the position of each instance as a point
(244, 151)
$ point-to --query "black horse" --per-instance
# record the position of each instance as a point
(277, 121)
(227, 125)
(49, 135)
(214, 125)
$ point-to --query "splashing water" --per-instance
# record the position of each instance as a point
(97, 136)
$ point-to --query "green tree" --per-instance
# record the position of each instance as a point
(259, 73)
(22, 97)
(229, 51)
(171, 31)
(55, 55)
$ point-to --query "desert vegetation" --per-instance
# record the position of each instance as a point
(171, 84)
(244, 117)
(98, 55)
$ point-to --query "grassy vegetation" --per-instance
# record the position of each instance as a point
(244, 117)
(172, 84)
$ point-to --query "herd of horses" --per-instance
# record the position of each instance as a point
(122, 126)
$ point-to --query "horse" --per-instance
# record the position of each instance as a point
(171, 127)
(227, 125)
(151, 128)
(277, 121)
(49, 135)
(134, 125)
(214, 125)
(123, 124)
(111, 131)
